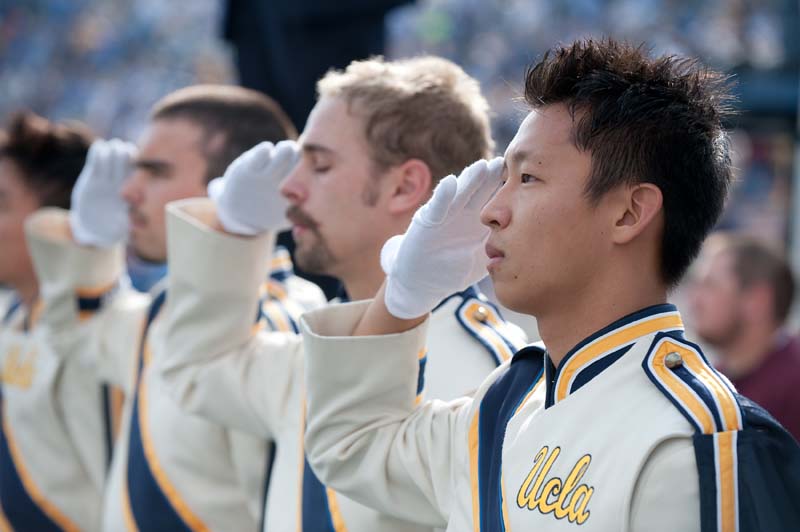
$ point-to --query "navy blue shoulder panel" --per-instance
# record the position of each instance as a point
(769, 472)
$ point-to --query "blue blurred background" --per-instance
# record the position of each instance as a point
(107, 61)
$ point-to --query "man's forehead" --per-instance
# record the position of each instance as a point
(332, 128)
(163, 133)
(543, 130)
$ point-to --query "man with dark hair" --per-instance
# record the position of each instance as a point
(741, 297)
(39, 163)
(171, 470)
(616, 422)
(52, 467)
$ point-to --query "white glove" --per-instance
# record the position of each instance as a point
(99, 215)
(442, 252)
(247, 197)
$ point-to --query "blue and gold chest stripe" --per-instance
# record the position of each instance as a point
(487, 431)
(150, 500)
(24, 505)
(319, 507)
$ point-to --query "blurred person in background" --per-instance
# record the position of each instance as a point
(740, 300)
(170, 471)
(54, 445)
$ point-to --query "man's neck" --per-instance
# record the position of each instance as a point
(362, 276)
(748, 351)
(364, 283)
(566, 324)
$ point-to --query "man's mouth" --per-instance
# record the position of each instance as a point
(495, 256)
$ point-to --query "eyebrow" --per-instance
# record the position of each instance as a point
(316, 148)
(154, 166)
(518, 157)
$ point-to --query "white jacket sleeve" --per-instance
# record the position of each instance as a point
(88, 310)
(216, 362)
(365, 435)
(656, 506)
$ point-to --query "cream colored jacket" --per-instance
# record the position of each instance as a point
(218, 367)
(56, 432)
(603, 443)
(171, 470)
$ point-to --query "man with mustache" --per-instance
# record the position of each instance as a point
(171, 470)
(380, 137)
(617, 422)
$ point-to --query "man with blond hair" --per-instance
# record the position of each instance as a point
(380, 137)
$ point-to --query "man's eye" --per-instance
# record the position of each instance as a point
(527, 178)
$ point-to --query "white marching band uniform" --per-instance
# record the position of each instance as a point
(56, 432)
(634, 432)
(217, 366)
(171, 470)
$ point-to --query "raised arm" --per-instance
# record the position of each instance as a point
(217, 362)
(367, 436)
(89, 310)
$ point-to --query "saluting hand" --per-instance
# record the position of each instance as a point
(247, 197)
(99, 215)
(442, 252)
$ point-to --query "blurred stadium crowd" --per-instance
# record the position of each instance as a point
(108, 61)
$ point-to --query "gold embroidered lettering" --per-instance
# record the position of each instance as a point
(16, 370)
(568, 498)
(524, 497)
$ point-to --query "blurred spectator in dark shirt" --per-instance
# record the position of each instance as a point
(740, 300)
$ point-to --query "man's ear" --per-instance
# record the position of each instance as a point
(411, 186)
(639, 206)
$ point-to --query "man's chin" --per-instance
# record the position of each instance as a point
(313, 260)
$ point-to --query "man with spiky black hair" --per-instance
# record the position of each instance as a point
(615, 422)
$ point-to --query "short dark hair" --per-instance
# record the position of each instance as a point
(654, 120)
(756, 262)
(244, 117)
(49, 156)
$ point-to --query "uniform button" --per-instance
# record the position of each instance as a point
(673, 360)
(481, 314)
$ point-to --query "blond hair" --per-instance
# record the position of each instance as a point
(423, 108)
